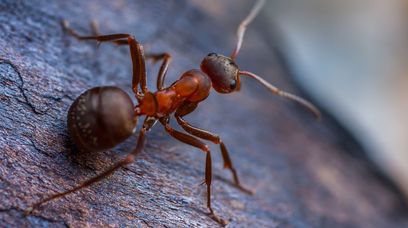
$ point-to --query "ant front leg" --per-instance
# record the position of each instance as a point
(136, 53)
(166, 57)
(187, 108)
(190, 140)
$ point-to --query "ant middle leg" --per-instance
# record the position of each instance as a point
(187, 108)
(166, 59)
(190, 140)
(136, 53)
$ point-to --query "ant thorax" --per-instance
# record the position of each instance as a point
(193, 86)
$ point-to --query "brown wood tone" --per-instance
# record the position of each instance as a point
(299, 169)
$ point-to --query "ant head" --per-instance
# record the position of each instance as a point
(223, 72)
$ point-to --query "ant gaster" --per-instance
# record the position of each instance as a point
(103, 117)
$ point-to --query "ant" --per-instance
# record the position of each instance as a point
(103, 117)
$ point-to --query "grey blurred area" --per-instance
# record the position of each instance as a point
(351, 56)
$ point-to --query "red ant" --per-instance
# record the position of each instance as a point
(103, 117)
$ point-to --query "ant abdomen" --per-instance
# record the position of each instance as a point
(100, 118)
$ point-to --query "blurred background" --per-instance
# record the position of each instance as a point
(351, 57)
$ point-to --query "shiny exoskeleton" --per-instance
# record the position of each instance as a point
(103, 117)
(100, 118)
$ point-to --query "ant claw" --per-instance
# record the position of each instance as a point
(245, 190)
(219, 220)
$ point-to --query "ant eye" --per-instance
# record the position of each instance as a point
(233, 84)
(212, 54)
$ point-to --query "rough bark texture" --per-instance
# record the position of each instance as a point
(301, 170)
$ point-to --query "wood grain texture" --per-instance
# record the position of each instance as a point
(301, 170)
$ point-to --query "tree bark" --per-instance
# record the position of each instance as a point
(304, 172)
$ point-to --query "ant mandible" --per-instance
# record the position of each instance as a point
(103, 117)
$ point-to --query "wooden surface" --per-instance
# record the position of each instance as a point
(302, 171)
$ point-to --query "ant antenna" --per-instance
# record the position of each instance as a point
(242, 27)
(282, 93)
(240, 35)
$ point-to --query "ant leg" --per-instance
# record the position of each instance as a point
(101, 38)
(185, 109)
(166, 57)
(136, 53)
(188, 139)
(126, 161)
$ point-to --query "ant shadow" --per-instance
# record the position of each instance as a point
(90, 161)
